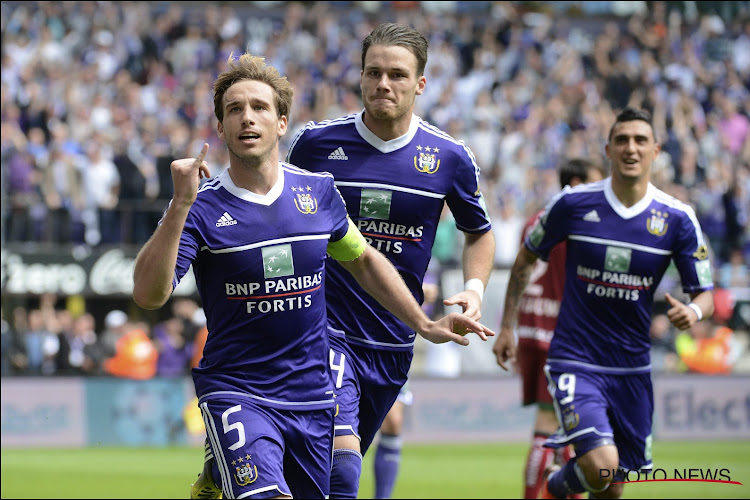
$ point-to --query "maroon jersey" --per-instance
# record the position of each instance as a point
(540, 302)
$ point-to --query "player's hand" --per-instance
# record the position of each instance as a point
(469, 301)
(471, 304)
(442, 331)
(505, 348)
(680, 314)
(186, 176)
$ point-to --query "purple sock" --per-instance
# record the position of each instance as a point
(387, 461)
(565, 481)
(347, 466)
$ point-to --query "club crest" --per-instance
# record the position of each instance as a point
(305, 203)
(657, 223)
(245, 472)
(571, 419)
(426, 163)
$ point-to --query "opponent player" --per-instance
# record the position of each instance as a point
(621, 234)
(537, 316)
(257, 238)
(395, 172)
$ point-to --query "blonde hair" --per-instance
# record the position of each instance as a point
(250, 67)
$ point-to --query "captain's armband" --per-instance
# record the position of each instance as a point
(348, 248)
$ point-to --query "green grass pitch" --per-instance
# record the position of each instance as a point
(427, 471)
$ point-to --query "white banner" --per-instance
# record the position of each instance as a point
(48, 412)
(696, 407)
(469, 409)
(43, 412)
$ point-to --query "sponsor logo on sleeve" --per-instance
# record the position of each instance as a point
(701, 253)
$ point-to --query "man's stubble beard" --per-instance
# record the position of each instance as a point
(251, 159)
(389, 115)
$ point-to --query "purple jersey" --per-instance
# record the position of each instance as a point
(616, 258)
(394, 192)
(259, 264)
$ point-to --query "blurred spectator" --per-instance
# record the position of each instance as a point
(733, 125)
(507, 224)
(734, 273)
(139, 184)
(14, 359)
(26, 208)
(115, 323)
(174, 350)
(135, 353)
(708, 349)
(77, 354)
(663, 351)
(188, 311)
(62, 190)
(723, 306)
(41, 343)
(101, 181)
(736, 205)
(710, 213)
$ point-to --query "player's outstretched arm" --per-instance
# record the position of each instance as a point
(380, 279)
(155, 263)
(478, 257)
(505, 345)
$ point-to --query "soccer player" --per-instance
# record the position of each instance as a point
(395, 172)
(537, 316)
(257, 237)
(621, 234)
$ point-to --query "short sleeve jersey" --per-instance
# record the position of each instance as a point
(616, 257)
(259, 264)
(394, 192)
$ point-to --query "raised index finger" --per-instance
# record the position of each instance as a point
(202, 155)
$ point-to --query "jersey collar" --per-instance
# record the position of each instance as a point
(622, 210)
(244, 194)
(380, 144)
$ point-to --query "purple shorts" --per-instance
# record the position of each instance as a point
(598, 409)
(264, 452)
(367, 383)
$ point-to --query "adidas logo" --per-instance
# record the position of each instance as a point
(592, 217)
(338, 154)
(226, 220)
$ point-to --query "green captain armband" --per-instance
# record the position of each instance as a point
(348, 248)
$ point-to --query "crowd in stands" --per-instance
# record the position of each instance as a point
(98, 98)
(62, 341)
